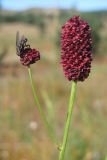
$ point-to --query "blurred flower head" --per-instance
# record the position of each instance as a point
(76, 49)
(27, 54)
(33, 125)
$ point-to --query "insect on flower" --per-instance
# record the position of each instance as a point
(21, 46)
(25, 52)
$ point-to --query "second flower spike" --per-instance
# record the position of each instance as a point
(27, 54)
(76, 49)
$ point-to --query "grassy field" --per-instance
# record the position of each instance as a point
(22, 135)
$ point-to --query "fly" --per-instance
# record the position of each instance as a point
(21, 46)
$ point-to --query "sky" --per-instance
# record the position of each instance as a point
(83, 5)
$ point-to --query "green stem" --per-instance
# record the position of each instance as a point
(42, 114)
(68, 120)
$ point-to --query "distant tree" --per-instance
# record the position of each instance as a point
(0, 4)
(96, 24)
(40, 22)
(0, 11)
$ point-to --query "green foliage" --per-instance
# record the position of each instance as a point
(64, 15)
(96, 25)
(78, 147)
(30, 18)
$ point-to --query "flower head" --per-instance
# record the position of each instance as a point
(76, 49)
(27, 54)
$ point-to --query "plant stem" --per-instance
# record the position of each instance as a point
(68, 120)
(42, 114)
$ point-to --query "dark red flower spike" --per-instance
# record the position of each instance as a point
(76, 49)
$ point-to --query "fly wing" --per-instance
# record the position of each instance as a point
(23, 40)
(21, 45)
(17, 43)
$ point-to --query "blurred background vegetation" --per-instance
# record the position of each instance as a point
(22, 135)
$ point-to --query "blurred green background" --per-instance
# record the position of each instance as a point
(22, 135)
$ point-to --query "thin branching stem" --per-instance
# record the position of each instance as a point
(40, 109)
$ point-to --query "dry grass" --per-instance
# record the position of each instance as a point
(22, 134)
(8, 38)
(18, 112)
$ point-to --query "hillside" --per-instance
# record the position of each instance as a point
(42, 27)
